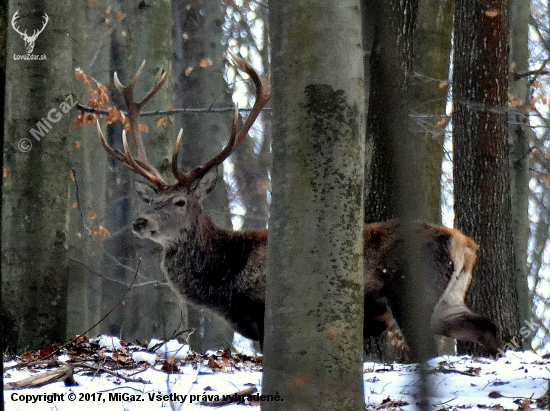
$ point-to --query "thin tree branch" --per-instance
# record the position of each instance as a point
(105, 316)
(218, 110)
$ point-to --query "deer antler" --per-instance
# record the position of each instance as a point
(263, 93)
(140, 164)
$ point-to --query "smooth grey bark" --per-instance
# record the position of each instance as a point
(394, 156)
(427, 101)
(197, 40)
(88, 192)
(520, 136)
(314, 297)
(36, 179)
(3, 54)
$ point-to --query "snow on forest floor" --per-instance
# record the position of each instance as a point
(111, 375)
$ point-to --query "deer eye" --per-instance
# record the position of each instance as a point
(179, 203)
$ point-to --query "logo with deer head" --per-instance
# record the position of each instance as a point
(29, 40)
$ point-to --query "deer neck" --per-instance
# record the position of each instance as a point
(196, 246)
(204, 261)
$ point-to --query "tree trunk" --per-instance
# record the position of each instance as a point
(481, 161)
(427, 99)
(387, 119)
(88, 192)
(143, 34)
(520, 135)
(314, 300)
(4, 51)
(36, 179)
(198, 38)
(149, 37)
(394, 186)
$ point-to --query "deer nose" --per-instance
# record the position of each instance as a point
(139, 224)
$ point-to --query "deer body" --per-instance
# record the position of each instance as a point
(220, 276)
(226, 273)
(448, 256)
(226, 270)
(220, 269)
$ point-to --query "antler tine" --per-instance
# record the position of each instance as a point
(175, 170)
(116, 154)
(159, 81)
(146, 170)
(263, 93)
(127, 93)
(120, 87)
(128, 161)
(139, 164)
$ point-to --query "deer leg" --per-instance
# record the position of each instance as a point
(457, 321)
(452, 318)
(374, 317)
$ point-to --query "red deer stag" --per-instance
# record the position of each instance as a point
(225, 270)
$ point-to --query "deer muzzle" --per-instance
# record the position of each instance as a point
(139, 224)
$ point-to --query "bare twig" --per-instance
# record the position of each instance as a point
(105, 316)
(117, 303)
(155, 283)
(65, 373)
(235, 397)
(99, 368)
(91, 235)
(218, 110)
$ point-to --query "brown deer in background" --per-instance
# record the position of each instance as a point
(226, 270)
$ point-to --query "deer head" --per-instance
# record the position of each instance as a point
(209, 266)
(29, 40)
(182, 200)
(175, 203)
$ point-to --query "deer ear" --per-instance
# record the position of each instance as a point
(145, 192)
(205, 185)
